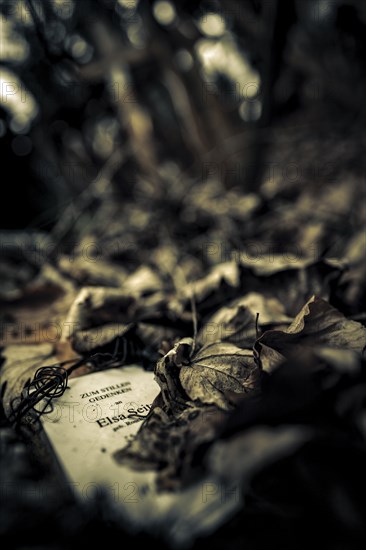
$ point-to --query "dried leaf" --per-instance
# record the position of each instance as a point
(221, 283)
(168, 444)
(95, 306)
(291, 280)
(153, 335)
(142, 281)
(87, 272)
(149, 448)
(317, 325)
(180, 354)
(217, 368)
(167, 375)
(236, 323)
(37, 315)
(88, 340)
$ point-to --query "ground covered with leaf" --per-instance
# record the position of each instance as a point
(258, 358)
(241, 289)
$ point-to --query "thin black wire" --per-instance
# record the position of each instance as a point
(51, 381)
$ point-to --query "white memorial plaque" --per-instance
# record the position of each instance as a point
(97, 415)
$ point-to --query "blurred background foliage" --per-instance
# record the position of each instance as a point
(126, 121)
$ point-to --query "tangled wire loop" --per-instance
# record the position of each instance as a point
(48, 382)
(51, 381)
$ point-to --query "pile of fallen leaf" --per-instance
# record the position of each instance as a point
(249, 309)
